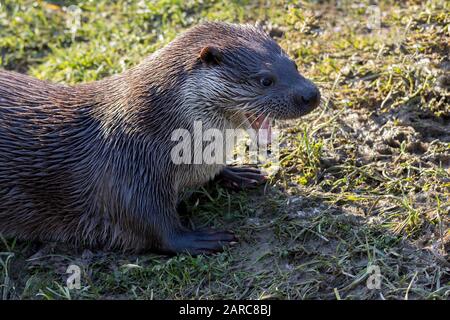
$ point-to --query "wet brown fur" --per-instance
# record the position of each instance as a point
(90, 164)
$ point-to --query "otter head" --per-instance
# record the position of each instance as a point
(245, 75)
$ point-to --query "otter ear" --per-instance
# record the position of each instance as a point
(210, 55)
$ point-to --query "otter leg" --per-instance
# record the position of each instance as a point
(169, 236)
(239, 178)
(150, 221)
(165, 234)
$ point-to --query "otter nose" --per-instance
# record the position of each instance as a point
(309, 98)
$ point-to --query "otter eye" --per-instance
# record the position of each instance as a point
(266, 82)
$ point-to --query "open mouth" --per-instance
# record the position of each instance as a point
(262, 125)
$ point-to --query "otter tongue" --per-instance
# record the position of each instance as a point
(262, 124)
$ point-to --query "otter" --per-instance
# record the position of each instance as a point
(90, 164)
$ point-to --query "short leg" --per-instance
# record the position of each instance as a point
(157, 227)
(239, 178)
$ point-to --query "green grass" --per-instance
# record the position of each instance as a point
(364, 180)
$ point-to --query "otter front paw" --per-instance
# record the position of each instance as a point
(239, 178)
(200, 242)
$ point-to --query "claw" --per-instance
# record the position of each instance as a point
(239, 178)
(201, 242)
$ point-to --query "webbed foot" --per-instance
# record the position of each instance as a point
(239, 178)
(200, 242)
